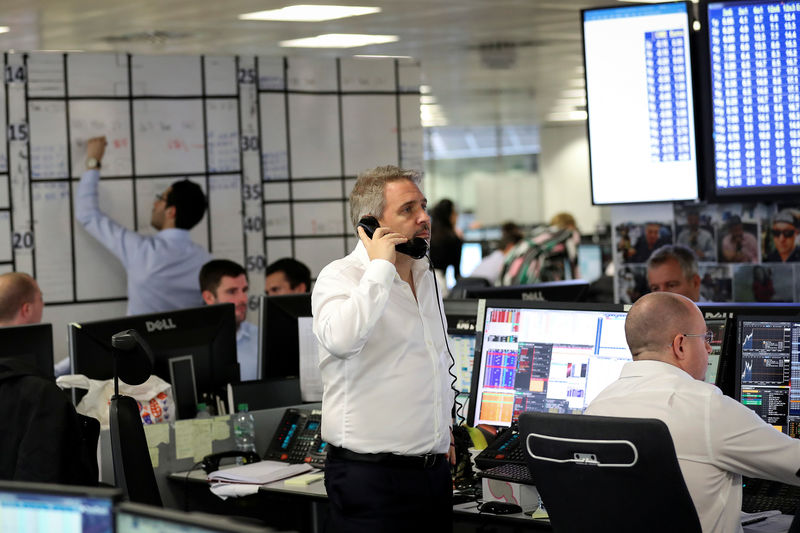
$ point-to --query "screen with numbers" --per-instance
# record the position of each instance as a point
(640, 104)
(755, 96)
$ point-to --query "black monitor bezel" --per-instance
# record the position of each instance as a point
(213, 321)
(531, 291)
(293, 305)
(37, 340)
(527, 304)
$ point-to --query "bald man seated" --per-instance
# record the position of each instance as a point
(20, 300)
(716, 438)
(674, 269)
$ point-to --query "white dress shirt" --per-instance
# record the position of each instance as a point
(162, 269)
(716, 438)
(247, 350)
(383, 358)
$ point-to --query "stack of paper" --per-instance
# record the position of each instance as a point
(258, 473)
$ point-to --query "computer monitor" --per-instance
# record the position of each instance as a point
(206, 333)
(287, 345)
(719, 327)
(546, 357)
(26, 506)
(640, 103)
(590, 262)
(138, 518)
(32, 343)
(571, 290)
(768, 368)
(471, 256)
(750, 102)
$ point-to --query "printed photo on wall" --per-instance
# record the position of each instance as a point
(695, 230)
(738, 241)
(632, 283)
(763, 283)
(716, 284)
(635, 242)
(780, 235)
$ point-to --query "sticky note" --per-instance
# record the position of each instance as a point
(221, 428)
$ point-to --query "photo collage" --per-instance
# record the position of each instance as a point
(745, 252)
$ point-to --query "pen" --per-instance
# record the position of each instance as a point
(754, 520)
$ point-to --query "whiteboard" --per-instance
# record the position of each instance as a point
(275, 142)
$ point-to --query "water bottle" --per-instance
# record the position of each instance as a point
(202, 411)
(244, 431)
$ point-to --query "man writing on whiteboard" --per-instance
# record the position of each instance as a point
(383, 360)
(162, 268)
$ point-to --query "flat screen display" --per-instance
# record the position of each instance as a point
(640, 104)
(755, 98)
(544, 359)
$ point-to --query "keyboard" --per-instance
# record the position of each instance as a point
(765, 495)
(503, 450)
(514, 473)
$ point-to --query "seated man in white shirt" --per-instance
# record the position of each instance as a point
(224, 281)
(162, 268)
(717, 439)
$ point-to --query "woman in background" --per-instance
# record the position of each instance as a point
(445, 240)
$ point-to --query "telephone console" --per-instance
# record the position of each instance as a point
(298, 438)
(504, 449)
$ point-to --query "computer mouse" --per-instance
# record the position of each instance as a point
(500, 508)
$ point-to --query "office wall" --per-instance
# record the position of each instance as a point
(276, 143)
(564, 169)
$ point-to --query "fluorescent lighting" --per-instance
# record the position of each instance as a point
(4, 29)
(573, 93)
(432, 115)
(567, 116)
(309, 13)
(425, 89)
(376, 55)
(338, 40)
(427, 99)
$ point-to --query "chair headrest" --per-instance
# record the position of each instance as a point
(134, 357)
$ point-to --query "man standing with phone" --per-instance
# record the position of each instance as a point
(384, 364)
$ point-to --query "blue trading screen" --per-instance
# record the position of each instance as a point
(545, 360)
(755, 96)
(640, 103)
(35, 512)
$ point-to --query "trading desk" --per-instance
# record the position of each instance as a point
(308, 504)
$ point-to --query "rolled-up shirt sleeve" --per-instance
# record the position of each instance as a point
(118, 239)
(346, 304)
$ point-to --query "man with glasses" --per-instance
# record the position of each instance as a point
(717, 439)
(162, 268)
(784, 238)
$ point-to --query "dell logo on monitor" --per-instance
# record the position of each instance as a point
(159, 325)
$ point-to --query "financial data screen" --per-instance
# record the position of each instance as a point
(717, 327)
(640, 103)
(462, 345)
(43, 513)
(755, 96)
(545, 360)
(770, 370)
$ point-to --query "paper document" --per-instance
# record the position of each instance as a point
(259, 473)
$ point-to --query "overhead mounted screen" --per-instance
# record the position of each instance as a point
(639, 94)
(755, 95)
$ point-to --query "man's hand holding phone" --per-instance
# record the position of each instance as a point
(382, 244)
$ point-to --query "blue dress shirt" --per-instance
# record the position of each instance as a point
(162, 268)
(247, 350)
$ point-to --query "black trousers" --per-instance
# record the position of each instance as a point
(378, 498)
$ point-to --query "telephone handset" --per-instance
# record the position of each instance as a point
(416, 247)
(211, 462)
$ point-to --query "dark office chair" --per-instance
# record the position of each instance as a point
(610, 473)
(459, 290)
(133, 470)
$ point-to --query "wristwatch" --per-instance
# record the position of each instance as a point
(92, 163)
